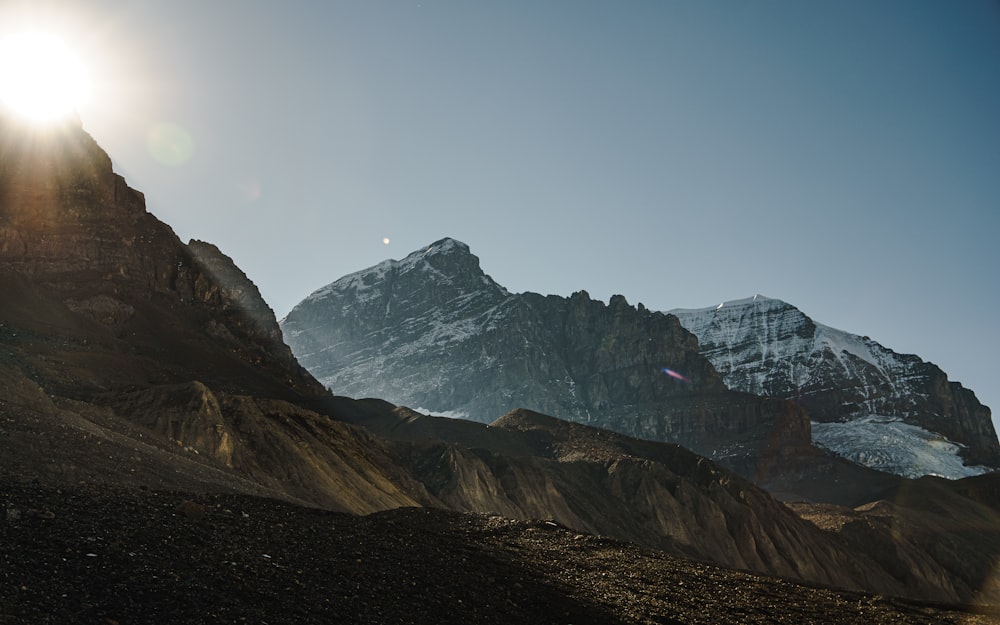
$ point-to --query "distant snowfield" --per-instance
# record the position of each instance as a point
(887, 444)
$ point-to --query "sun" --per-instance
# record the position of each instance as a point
(41, 78)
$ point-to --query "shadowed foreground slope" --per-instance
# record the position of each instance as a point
(88, 556)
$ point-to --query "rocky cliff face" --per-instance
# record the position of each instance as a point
(71, 226)
(860, 393)
(435, 333)
(149, 353)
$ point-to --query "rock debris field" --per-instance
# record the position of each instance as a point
(119, 557)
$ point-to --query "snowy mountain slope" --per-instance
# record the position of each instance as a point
(422, 304)
(860, 393)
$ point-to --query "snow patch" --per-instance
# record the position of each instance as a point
(840, 342)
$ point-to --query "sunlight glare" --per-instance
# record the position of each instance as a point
(41, 78)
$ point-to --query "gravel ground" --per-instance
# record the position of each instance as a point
(122, 557)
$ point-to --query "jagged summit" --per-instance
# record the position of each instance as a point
(58, 174)
(427, 255)
(451, 263)
(444, 246)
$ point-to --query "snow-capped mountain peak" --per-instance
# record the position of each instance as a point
(438, 259)
(768, 347)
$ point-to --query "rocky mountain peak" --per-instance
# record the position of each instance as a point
(446, 266)
(448, 261)
(444, 246)
(618, 301)
(59, 174)
(426, 293)
(68, 220)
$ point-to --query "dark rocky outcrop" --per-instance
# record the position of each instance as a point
(71, 230)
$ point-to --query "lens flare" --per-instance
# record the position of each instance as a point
(676, 375)
(170, 144)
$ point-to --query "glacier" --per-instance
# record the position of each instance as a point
(890, 445)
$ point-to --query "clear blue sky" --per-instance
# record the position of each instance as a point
(843, 156)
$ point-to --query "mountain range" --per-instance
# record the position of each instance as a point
(436, 333)
(165, 457)
(433, 331)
